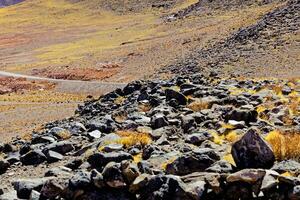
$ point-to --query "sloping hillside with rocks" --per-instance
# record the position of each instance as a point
(190, 137)
(267, 48)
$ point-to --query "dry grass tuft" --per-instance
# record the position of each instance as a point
(65, 134)
(119, 100)
(132, 138)
(198, 105)
(232, 136)
(286, 145)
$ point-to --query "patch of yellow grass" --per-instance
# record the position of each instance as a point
(119, 100)
(137, 158)
(285, 145)
(198, 105)
(64, 134)
(232, 136)
(129, 139)
(165, 164)
(228, 157)
(217, 138)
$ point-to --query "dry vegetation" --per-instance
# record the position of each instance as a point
(285, 144)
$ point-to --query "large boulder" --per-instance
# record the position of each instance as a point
(172, 94)
(33, 157)
(252, 151)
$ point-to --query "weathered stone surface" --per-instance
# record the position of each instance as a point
(33, 157)
(4, 165)
(252, 151)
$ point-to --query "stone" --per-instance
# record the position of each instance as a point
(34, 195)
(51, 189)
(81, 180)
(96, 134)
(196, 138)
(195, 161)
(97, 179)
(140, 182)
(53, 156)
(113, 147)
(61, 147)
(130, 171)
(34, 157)
(113, 176)
(4, 165)
(269, 181)
(172, 94)
(252, 151)
(101, 159)
(294, 194)
(221, 166)
(60, 133)
(287, 166)
(42, 139)
(250, 176)
(25, 186)
(242, 115)
(196, 190)
(158, 121)
(60, 171)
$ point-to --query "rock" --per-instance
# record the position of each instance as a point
(51, 189)
(53, 156)
(252, 151)
(188, 123)
(287, 166)
(172, 94)
(81, 180)
(158, 121)
(60, 133)
(242, 115)
(103, 127)
(139, 183)
(269, 181)
(294, 194)
(74, 164)
(62, 147)
(13, 158)
(4, 165)
(195, 161)
(34, 195)
(130, 171)
(97, 179)
(113, 147)
(221, 166)
(34, 157)
(250, 176)
(164, 187)
(1, 191)
(197, 138)
(101, 159)
(59, 172)
(42, 139)
(196, 190)
(96, 134)
(113, 176)
(25, 186)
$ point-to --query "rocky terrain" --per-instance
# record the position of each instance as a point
(267, 48)
(190, 137)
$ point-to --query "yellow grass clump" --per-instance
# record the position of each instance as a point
(119, 100)
(232, 136)
(198, 105)
(285, 145)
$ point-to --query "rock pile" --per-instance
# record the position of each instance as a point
(160, 140)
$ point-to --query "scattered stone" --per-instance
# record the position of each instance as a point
(252, 151)
(34, 157)
(4, 165)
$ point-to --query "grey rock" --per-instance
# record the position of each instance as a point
(113, 176)
(25, 186)
(172, 94)
(252, 151)
(101, 159)
(287, 166)
(4, 165)
(81, 180)
(33, 157)
(96, 134)
(61, 147)
(53, 156)
(97, 179)
(34, 195)
(158, 121)
(250, 176)
(52, 188)
(197, 138)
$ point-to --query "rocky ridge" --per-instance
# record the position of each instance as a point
(190, 137)
(257, 48)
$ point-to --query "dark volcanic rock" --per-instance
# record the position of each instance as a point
(195, 161)
(33, 157)
(4, 165)
(172, 94)
(252, 151)
(101, 159)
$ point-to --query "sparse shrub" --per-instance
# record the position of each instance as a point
(232, 136)
(64, 134)
(285, 145)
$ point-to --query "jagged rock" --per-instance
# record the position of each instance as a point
(25, 186)
(62, 147)
(97, 179)
(172, 94)
(242, 115)
(220, 167)
(96, 134)
(158, 121)
(130, 171)
(51, 189)
(4, 165)
(60, 171)
(164, 187)
(250, 176)
(60, 133)
(269, 181)
(252, 151)
(42, 139)
(197, 138)
(195, 161)
(53, 156)
(81, 180)
(294, 194)
(188, 123)
(196, 190)
(287, 166)
(101, 159)
(113, 147)
(33, 157)
(34, 195)
(113, 176)
(74, 164)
